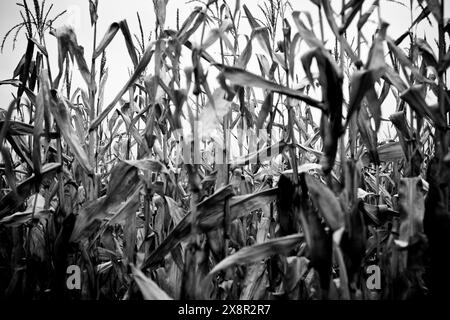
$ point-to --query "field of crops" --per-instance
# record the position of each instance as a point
(245, 156)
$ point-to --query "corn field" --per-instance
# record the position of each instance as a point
(245, 156)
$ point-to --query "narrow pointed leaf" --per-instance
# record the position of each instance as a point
(244, 78)
(137, 72)
(260, 252)
(107, 38)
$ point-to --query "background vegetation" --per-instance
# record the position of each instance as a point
(103, 186)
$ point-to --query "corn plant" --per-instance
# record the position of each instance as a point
(231, 164)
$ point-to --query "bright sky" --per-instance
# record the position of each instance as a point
(118, 60)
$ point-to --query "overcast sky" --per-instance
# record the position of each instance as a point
(118, 60)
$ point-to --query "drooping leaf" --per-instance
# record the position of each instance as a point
(67, 44)
(107, 38)
(244, 78)
(414, 97)
(392, 77)
(403, 59)
(259, 252)
(24, 75)
(129, 41)
(362, 82)
(375, 60)
(427, 52)
(331, 80)
(326, 202)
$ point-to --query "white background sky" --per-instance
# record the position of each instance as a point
(118, 60)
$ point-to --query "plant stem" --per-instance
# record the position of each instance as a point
(92, 114)
(225, 166)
